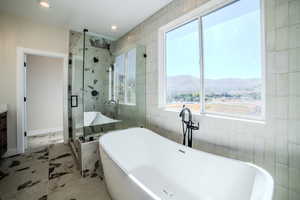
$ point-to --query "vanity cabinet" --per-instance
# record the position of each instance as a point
(3, 133)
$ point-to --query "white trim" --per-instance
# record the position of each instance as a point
(25, 120)
(201, 64)
(222, 116)
(198, 13)
(263, 57)
(44, 131)
(20, 92)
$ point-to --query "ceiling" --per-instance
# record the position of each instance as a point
(96, 15)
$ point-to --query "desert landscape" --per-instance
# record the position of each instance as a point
(226, 96)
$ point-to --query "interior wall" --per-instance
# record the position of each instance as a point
(44, 94)
(274, 144)
(20, 32)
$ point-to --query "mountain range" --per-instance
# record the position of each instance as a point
(189, 84)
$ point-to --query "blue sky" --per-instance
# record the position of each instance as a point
(231, 41)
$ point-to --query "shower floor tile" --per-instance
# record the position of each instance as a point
(48, 173)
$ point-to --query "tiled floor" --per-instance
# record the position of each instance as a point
(40, 141)
(49, 173)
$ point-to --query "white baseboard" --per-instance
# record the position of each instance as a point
(43, 131)
(10, 152)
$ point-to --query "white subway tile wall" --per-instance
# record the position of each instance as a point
(274, 145)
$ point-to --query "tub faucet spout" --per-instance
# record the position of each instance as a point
(187, 125)
(182, 114)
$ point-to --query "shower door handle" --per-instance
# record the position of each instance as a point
(74, 104)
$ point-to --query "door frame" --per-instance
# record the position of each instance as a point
(21, 52)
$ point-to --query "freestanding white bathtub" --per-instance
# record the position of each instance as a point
(141, 165)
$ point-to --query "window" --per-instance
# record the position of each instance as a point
(213, 64)
(125, 78)
(119, 74)
(182, 67)
(130, 77)
(232, 59)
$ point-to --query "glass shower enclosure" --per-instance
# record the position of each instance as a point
(106, 90)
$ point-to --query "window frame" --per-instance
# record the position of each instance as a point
(198, 14)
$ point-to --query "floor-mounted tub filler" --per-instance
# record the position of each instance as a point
(141, 165)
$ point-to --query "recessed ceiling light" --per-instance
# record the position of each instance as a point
(114, 27)
(44, 3)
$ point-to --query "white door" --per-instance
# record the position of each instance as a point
(25, 103)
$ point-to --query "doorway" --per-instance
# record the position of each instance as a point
(44, 101)
(42, 113)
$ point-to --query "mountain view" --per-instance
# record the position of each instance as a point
(241, 96)
(191, 84)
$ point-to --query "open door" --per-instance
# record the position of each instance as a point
(25, 103)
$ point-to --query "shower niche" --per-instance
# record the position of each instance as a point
(106, 93)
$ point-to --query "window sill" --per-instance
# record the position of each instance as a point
(224, 116)
(126, 104)
(236, 118)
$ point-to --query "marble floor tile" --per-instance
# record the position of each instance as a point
(40, 141)
(24, 176)
(62, 167)
(82, 189)
(49, 172)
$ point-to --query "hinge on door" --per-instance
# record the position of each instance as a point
(25, 65)
(25, 133)
(25, 99)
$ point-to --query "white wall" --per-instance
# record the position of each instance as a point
(274, 145)
(14, 32)
(44, 94)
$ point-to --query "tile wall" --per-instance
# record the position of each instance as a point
(275, 144)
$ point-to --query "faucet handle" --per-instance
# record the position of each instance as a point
(193, 127)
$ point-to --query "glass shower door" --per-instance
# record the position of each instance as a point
(76, 95)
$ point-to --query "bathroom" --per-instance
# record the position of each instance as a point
(130, 88)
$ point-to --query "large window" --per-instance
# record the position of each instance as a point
(214, 63)
(182, 66)
(125, 78)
